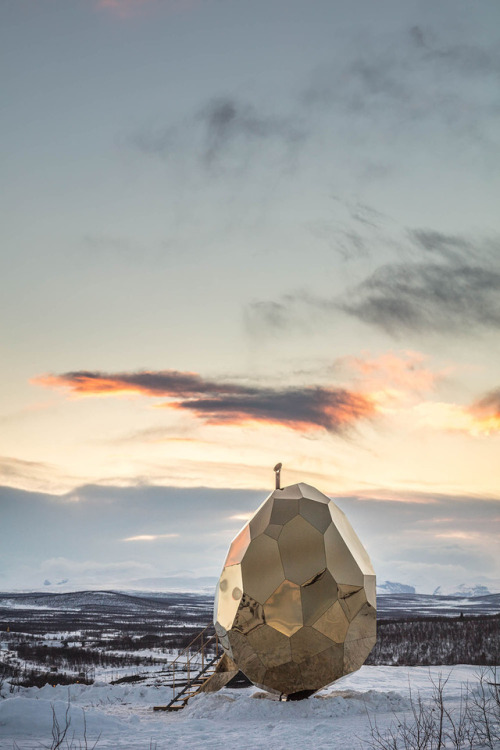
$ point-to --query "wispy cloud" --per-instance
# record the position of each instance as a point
(226, 121)
(149, 537)
(400, 78)
(402, 372)
(221, 402)
(401, 297)
(442, 284)
(224, 134)
(480, 419)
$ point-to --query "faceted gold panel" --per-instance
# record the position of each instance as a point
(308, 642)
(260, 520)
(356, 652)
(250, 615)
(295, 604)
(317, 595)
(284, 510)
(261, 568)
(363, 623)
(316, 513)
(306, 490)
(274, 530)
(340, 559)
(302, 550)
(351, 601)
(283, 609)
(292, 492)
(229, 595)
(238, 546)
(351, 539)
(285, 674)
(371, 590)
(272, 647)
(246, 659)
(319, 669)
(333, 623)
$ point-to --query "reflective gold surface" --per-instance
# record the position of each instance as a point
(295, 603)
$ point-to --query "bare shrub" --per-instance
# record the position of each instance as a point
(434, 725)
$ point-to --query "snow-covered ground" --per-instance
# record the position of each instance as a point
(337, 717)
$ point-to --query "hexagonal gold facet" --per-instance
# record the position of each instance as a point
(295, 604)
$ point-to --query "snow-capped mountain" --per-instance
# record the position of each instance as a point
(391, 587)
(462, 590)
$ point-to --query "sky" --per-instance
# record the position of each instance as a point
(240, 233)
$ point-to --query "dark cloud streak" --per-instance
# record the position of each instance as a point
(219, 402)
(400, 297)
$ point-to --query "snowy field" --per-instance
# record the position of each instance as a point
(121, 716)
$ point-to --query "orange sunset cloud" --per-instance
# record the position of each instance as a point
(220, 402)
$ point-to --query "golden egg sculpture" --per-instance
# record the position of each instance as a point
(295, 605)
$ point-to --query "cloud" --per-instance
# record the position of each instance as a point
(220, 402)
(486, 412)
(333, 409)
(489, 405)
(44, 477)
(469, 59)
(401, 372)
(413, 78)
(225, 133)
(227, 121)
(402, 297)
(449, 284)
(450, 246)
(481, 419)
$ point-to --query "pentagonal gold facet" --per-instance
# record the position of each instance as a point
(284, 510)
(316, 513)
(295, 604)
(302, 550)
(283, 609)
(261, 567)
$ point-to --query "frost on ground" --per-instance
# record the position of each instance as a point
(121, 716)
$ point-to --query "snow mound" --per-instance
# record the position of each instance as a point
(236, 705)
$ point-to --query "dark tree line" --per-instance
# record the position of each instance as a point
(438, 640)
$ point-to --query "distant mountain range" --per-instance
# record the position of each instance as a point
(390, 587)
(186, 582)
(462, 590)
